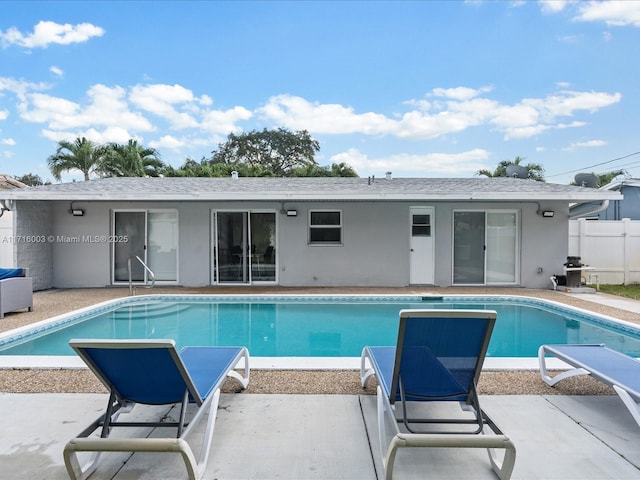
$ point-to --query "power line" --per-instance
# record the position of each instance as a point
(596, 165)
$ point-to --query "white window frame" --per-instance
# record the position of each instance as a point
(338, 226)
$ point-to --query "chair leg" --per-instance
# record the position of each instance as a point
(365, 372)
(503, 469)
(244, 378)
(629, 402)
(208, 434)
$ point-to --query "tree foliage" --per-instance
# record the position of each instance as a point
(266, 153)
(80, 154)
(131, 160)
(535, 170)
(277, 152)
(30, 179)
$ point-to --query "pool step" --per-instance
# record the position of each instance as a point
(148, 310)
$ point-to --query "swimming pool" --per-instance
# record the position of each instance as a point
(312, 325)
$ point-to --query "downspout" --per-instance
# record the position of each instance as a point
(598, 208)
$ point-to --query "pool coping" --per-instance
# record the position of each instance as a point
(292, 363)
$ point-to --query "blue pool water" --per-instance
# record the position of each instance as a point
(314, 326)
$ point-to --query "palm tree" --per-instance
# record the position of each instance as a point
(131, 160)
(81, 154)
(535, 170)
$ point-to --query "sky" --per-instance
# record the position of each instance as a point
(416, 88)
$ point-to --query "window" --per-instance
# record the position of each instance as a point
(325, 227)
(421, 225)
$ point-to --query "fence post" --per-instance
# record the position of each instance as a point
(627, 249)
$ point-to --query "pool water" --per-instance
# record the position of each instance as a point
(317, 327)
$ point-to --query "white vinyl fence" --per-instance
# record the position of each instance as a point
(610, 247)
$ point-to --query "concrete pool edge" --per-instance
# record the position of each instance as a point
(17, 362)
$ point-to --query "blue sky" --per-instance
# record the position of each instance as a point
(420, 88)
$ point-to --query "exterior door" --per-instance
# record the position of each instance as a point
(421, 246)
(485, 247)
(244, 248)
(133, 227)
(150, 235)
(469, 247)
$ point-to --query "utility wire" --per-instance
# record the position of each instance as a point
(592, 166)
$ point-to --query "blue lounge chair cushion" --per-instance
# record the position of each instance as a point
(11, 272)
(157, 380)
(609, 365)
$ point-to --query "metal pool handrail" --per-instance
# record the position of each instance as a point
(149, 271)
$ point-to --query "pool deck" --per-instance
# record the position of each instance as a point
(266, 436)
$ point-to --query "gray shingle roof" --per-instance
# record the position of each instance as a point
(329, 188)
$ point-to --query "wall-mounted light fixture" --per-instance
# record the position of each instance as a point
(292, 213)
(548, 213)
(75, 211)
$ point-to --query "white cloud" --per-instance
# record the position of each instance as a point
(224, 121)
(56, 71)
(432, 164)
(161, 100)
(111, 134)
(554, 6)
(20, 87)
(4, 114)
(613, 12)
(107, 107)
(8, 141)
(46, 33)
(588, 144)
(298, 113)
(168, 141)
(459, 93)
(463, 109)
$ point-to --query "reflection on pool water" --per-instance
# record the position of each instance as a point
(313, 326)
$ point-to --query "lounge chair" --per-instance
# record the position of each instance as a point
(605, 365)
(438, 358)
(152, 372)
(16, 290)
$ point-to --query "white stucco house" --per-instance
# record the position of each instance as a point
(294, 231)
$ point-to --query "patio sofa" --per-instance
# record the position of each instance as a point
(16, 290)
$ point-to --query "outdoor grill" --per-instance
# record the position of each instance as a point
(574, 277)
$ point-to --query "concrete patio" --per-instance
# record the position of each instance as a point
(275, 436)
(332, 437)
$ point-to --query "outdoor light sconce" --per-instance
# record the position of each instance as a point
(548, 213)
(76, 212)
(292, 213)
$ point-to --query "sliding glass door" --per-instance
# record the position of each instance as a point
(485, 246)
(148, 235)
(244, 247)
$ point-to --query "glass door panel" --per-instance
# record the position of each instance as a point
(468, 247)
(244, 250)
(132, 225)
(233, 249)
(162, 254)
(263, 252)
(501, 247)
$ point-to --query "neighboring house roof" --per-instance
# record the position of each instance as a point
(620, 184)
(307, 188)
(9, 183)
(592, 209)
